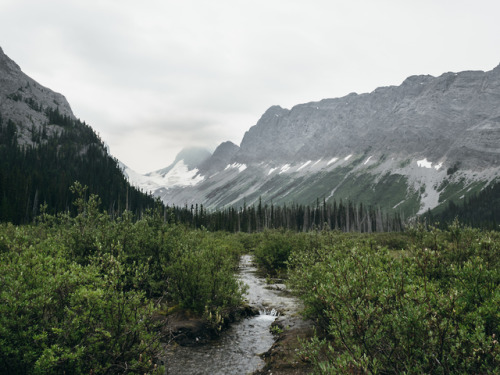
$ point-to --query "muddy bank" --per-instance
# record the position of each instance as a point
(183, 328)
(283, 357)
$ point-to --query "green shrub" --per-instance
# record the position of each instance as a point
(201, 272)
(76, 293)
(57, 316)
(275, 247)
(430, 310)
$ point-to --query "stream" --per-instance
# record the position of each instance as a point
(238, 349)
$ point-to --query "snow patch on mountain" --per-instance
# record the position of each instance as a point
(437, 167)
(284, 168)
(424, 163)
(316, 162)
(178, 176)
(304, 165)
(240, 167)
(367, 160)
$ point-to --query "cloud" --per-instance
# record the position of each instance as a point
(157, 76)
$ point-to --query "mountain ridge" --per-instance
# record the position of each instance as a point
(404, 139)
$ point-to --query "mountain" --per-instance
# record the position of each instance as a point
(182, 172)
(44, 149)
(24, 101)
(190, 157)
(406, 148)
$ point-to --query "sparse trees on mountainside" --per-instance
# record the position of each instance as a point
(481, 210)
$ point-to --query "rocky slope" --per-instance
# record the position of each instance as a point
(408, 148)
(25, 101)
(452, 118)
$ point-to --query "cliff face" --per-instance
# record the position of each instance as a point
(25, 101)
(451, 118)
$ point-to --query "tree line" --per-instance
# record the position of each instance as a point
(345, 216)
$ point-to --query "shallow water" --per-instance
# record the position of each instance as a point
(238, 348)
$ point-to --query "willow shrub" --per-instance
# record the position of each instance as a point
(430, 308)
(58, 316)
(201, 273)
(275, 246)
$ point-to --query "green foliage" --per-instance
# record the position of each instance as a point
(77, 292)
(201, 272)
(59, 316)
(453, 169)
(431, 307)
(275, 247)
(478, 207)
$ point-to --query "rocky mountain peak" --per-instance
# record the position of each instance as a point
(191, 157)
(25, 101)
(222, 156)
(6, 64)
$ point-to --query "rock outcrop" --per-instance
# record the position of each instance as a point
(25, 101)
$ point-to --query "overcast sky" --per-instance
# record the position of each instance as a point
(155, 76)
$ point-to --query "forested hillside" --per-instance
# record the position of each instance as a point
(481, 210)
(42, 170)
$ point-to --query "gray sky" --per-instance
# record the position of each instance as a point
(154, 76)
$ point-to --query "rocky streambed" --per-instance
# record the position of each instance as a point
(248, 346)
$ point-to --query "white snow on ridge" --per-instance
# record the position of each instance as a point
(304, 165)
(271, 171)
(424, 163)
(367, 160)
(316, 162)
(284, 168)
(399, 204)
(332, 161)
(347, 157)
(239, 166)
(179, 175)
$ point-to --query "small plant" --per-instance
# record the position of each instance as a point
(276, 329)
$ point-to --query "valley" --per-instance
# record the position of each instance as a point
(368, 223)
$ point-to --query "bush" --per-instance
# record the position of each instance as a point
(76, 293)
(59, 316)
(201, 272)
(424, 310)
(275, 247)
